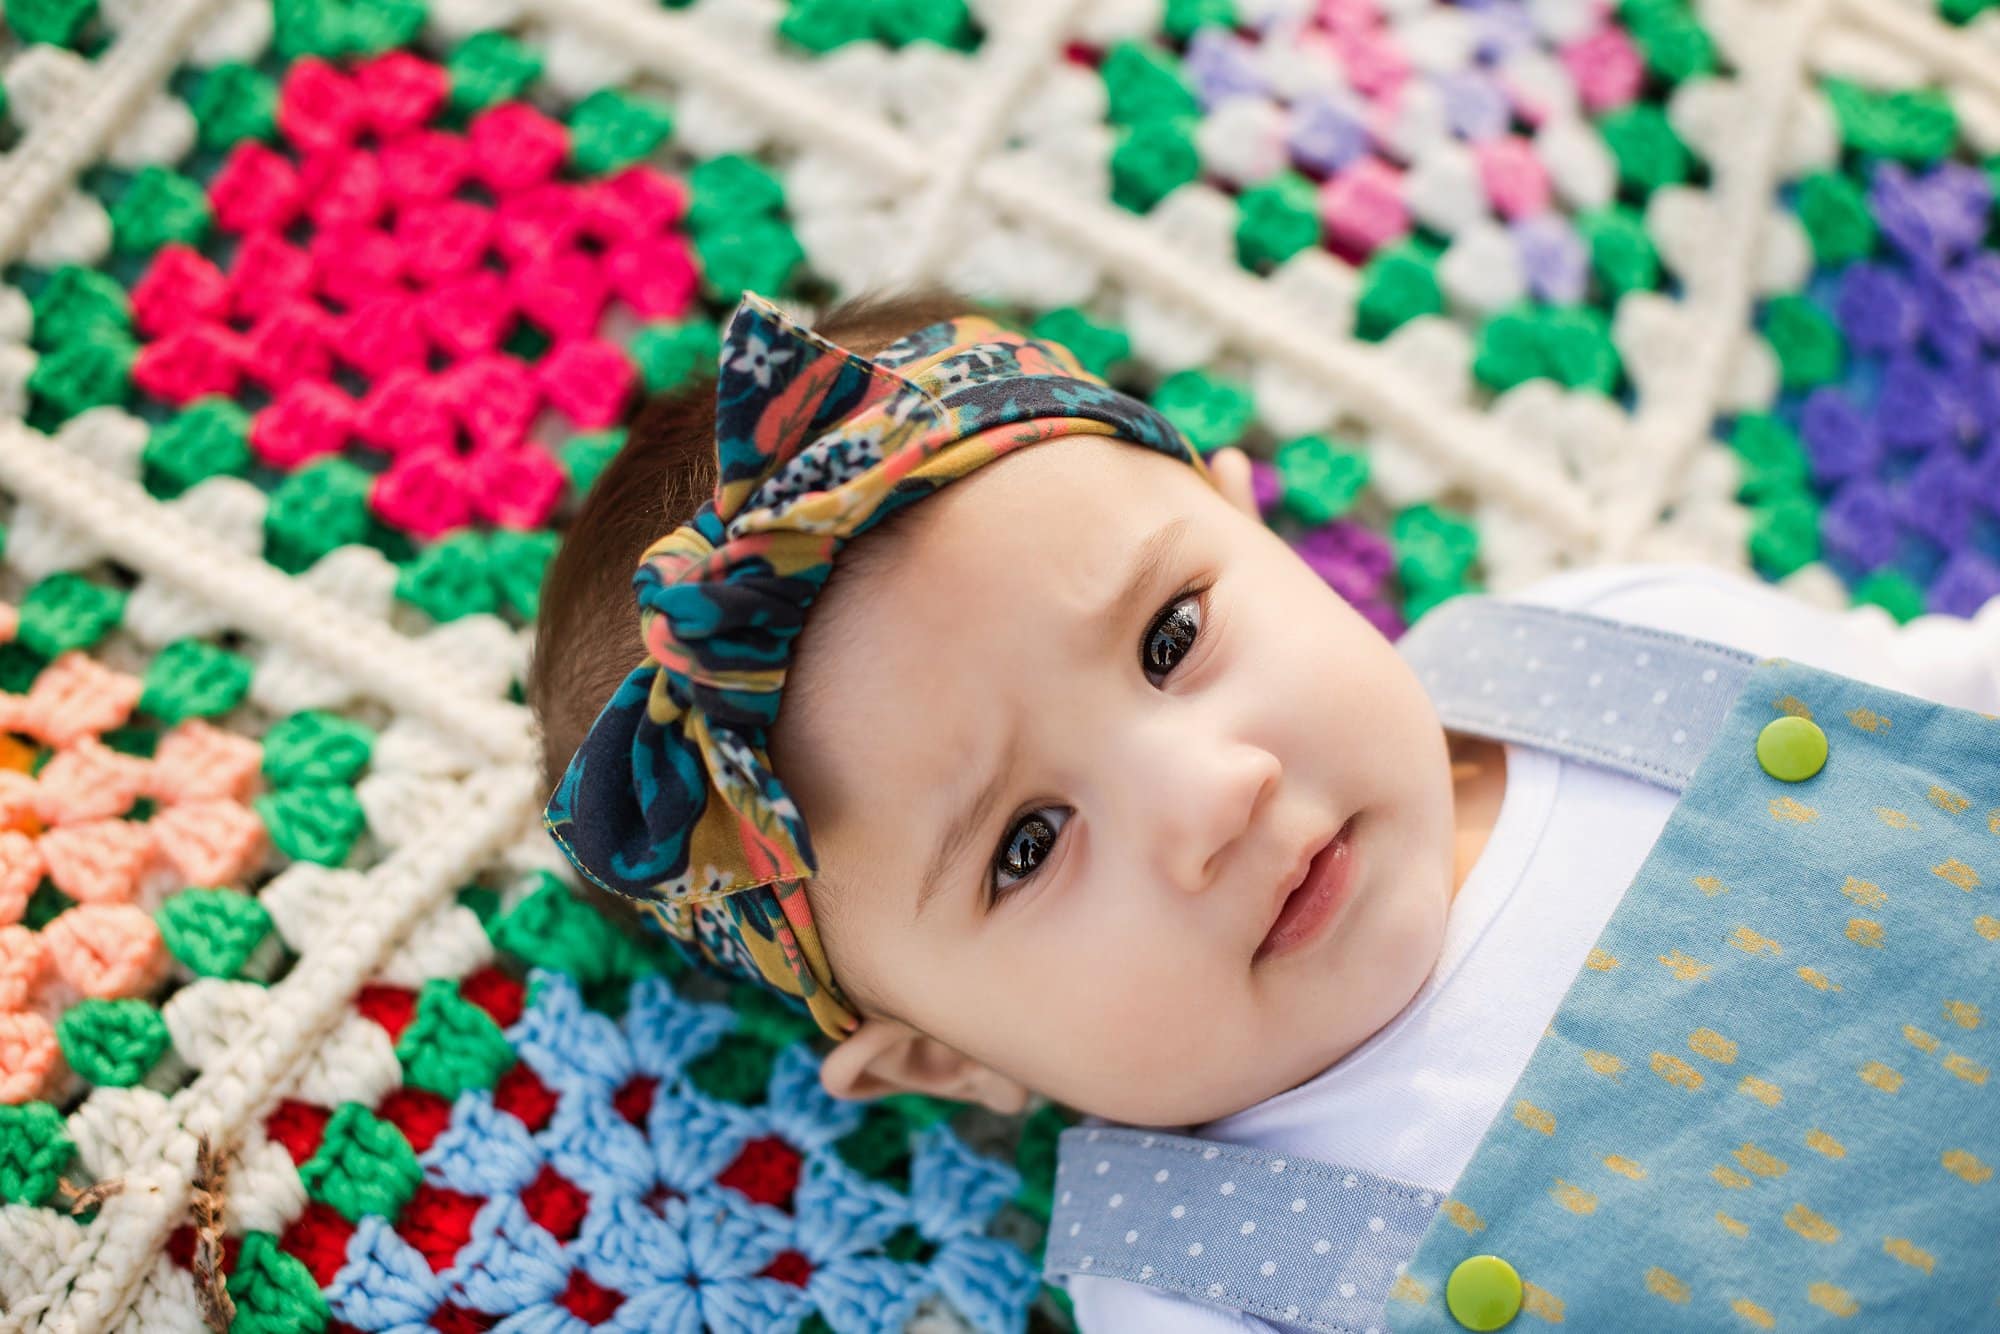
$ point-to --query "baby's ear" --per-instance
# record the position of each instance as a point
(886, 1056)
(1231, 468)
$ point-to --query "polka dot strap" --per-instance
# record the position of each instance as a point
(1303, 1241)
(1639, 701)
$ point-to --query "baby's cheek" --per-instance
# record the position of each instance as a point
(1145, 1016)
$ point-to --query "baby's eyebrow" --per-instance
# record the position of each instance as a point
(967, 823)
(1157, 553)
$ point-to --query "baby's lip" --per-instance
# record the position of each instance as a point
(1292, 921)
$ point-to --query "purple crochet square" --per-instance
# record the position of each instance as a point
(1859, 525)
(1554, 257)
(1325, 135)
(1221, 66)
(1474, 104)
(1936, 499)
(1933, 217)
(1910, 411)
(1967, 582)
(1840, 441)
(1877, 309)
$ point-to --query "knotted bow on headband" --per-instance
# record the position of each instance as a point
(671, 799)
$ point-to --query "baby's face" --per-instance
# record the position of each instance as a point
(1141, 771)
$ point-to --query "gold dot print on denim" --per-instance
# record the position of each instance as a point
(1811, 1226)
(1791, 704)
(1725, 1175)
(1686, 967)
(1661, 1283)
(1948, 801)
(1987, 926)
(1963, 1013)
(1463, 1214)
(1967, 1069)
(1833, 1299)
(1784, 808)
(1864, 892)
(1707, 1042)
(1993, 821)
(1710, 886)
(1763, 1090)
(1958, 873)
(1868, 720)
(1760, 1162)
(1735, 1227)
(1535, 1118)
(1754, 1313)
(1911, 1254)
(1966, 1164)
(1750, 942)
(1862, 931)
(1407, 1289)
(1604, 1063)
(1541, 1303)
(1821, 1142)
(1597, 961)
(1624, 1167)
(1919, 1039)
(1877, 1075)
(1676, 1071)
(1894, 818)
(1813, 977)
(1573, 1197)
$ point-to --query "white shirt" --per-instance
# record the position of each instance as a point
(1414, 1100)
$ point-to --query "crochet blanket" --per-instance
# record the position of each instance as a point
(318, 316)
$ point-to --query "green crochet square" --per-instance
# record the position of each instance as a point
(313, 822)
(209, 438)
(234, 103)
(671, 355)
(550, 928)
(112, 1043)
(191, 679)
(67, 611)
(488, 68)
(313, 747)
(363, 1165)
(1212, 412)
(58, 22)
(321, 506)
(213, 931)
(452, 1045)
(610, 129)
(274, 1292)
(1398, 285)
(157, 207)
(1102, 348)
(33, 1152)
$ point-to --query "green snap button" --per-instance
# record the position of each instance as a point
(1791, 749)
(1483, 1292)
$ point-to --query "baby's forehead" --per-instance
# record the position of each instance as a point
(1004, 572)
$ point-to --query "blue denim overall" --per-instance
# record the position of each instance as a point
(1767, 1101)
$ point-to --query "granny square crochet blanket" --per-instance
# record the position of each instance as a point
(318, 317)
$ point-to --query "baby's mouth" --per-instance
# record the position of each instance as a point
(1318, 899)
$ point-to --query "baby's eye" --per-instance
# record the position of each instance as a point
(1172, 634)
(1026, 846)
(1168, 639)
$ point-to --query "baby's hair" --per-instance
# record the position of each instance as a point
(587, 638)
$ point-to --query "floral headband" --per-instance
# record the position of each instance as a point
(671, 799)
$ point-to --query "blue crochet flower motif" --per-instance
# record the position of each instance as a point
(674, 1248)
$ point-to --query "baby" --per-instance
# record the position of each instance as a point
(1110, 798)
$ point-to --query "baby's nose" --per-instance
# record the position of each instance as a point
(1208, 809)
